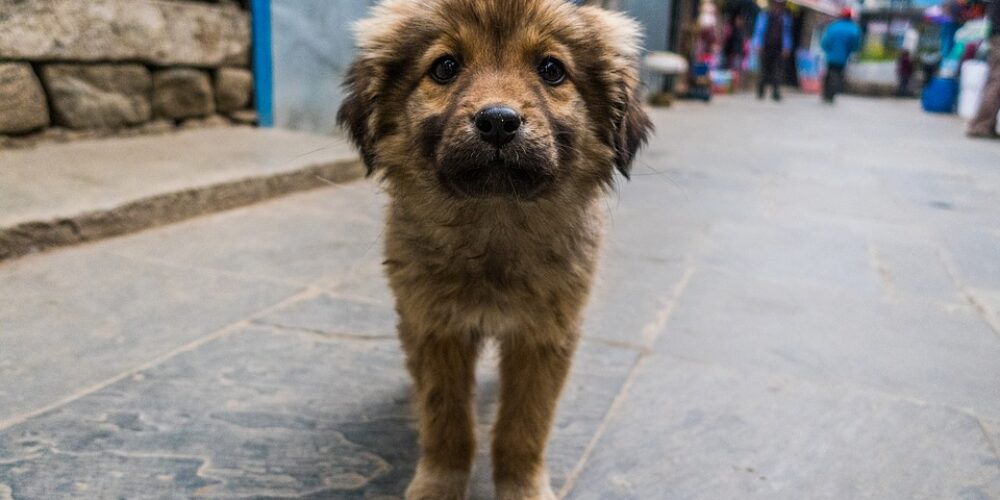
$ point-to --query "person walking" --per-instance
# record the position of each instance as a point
(772, 41)
(841, 38)
(984, 124)
(904, 72)
(735, 42)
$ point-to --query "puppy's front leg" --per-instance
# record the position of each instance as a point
(532, 372)
(443, 369)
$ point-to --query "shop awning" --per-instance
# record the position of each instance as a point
(828, 7)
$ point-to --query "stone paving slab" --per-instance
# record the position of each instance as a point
(913, 268)
(266, 413)
(972, 251)
(629, 295)
(697, 431)
(331, 231)
(365, 280)
(992, 428)
(800, 252)
(254, 413)
(837, 337)
(333, 316)
(62, 194)
(988, 302)
(74, 319)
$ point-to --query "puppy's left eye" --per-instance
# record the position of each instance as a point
(552, 71)
(445, 69)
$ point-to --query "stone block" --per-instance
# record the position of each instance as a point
(212, 121)
(253, 414)
(99, 96)
(233, 87)
(157, 32)
(329, 231)
(801, 249)
(244, 117)
(182, 93)
(629, 298)
(329, 316)
(76, 318)
(365, 280)
(697, 431)
(55, 135)
(24, 105)
(94, 189)
(943, 354)
(266, 412)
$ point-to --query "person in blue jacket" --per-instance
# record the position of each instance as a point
(840, 40)
(772, 41)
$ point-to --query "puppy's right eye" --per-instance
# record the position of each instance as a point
(445, 69)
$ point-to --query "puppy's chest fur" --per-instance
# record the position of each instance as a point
(493, 268)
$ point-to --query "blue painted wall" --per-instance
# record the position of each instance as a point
(263, 67)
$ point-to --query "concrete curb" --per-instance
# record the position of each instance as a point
(36, 236)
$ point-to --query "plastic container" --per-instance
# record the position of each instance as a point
(808, 65)
(722, 81)
(940, 96)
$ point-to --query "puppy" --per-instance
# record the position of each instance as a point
(497, 127)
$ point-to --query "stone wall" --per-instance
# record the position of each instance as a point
(84, 68)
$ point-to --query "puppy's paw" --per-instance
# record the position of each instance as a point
(428, 484)
(522, 493)
(537, 488)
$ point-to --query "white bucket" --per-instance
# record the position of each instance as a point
(666, 63)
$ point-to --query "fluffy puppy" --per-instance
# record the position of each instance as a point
(497, 127)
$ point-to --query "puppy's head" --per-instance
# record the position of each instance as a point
(520, 99)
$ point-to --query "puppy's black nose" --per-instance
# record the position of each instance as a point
(498, 124)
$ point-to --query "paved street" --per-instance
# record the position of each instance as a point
(796, 302)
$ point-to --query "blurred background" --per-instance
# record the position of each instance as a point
(111, 70)
(799, 295)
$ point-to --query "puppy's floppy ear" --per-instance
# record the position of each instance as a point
(620, 38)
(357, 111)
(633, 130)
(379, 38)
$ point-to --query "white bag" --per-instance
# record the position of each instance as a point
(970, 94)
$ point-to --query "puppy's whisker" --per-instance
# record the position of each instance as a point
(328, 181)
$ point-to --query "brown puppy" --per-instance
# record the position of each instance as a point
(497, 126)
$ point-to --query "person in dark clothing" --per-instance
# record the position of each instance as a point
(985, 122)
(735, 39)
(929, 62)
(904, 71)
(772, 40)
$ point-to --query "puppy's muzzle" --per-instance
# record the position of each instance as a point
(496, 158)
